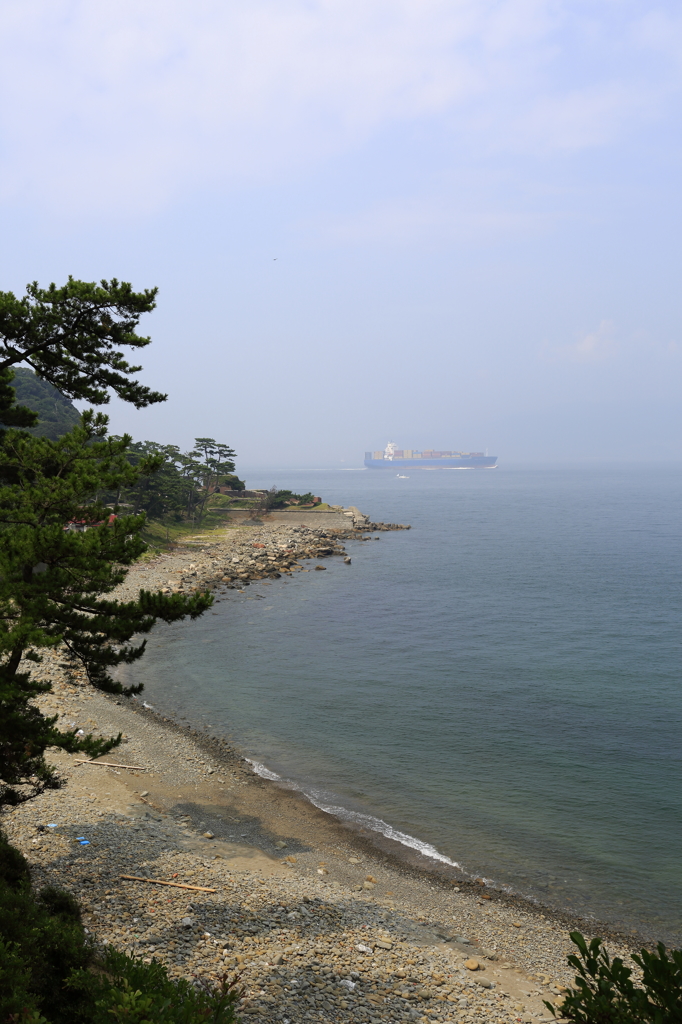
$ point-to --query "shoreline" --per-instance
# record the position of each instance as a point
(198, 815)
(244, 553)
(305, 543)
(359, 907)
(410, 860)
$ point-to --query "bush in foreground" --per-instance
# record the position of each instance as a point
(51, 973)
(605, 993)
(128, 991)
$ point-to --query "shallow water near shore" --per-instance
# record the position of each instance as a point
(501, 682)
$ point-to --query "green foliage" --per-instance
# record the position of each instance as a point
(11, 414)
(162, 491)
(50, 972)
(54, 582)
(42, 942)
(208, 461)
(25, 734)
(130, 992)
(72, 337)
(179, 485)
(605, 992)
(56, 414)
(232, 481)
(662, 980)
(62, 552)
(283, 499)
(214, 458)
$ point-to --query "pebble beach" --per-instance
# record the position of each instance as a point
(230, 873)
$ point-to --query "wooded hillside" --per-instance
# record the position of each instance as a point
(56, 413)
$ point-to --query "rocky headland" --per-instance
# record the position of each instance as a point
(239, 555)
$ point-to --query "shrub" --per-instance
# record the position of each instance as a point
(127, 991)
(52, 973)
(605, 993)
(283, 499)
(42, 941)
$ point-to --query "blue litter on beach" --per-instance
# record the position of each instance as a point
(82, 840)
(53, 825)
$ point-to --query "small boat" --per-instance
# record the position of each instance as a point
(401, 476)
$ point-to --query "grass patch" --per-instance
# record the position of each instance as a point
(163, 535)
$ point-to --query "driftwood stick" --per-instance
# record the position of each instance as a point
(178, 885)
(110, 764)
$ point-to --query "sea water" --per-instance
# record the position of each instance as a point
(498, 686)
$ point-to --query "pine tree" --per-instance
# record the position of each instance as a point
(72, 337)
(159, 493)
(61, 554)
(211, 460)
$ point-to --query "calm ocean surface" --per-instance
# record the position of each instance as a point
(502, 682)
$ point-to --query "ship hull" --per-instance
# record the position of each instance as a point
(466, 462)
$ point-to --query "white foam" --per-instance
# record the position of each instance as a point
(261, 770)
(378, 825)
(367, 820)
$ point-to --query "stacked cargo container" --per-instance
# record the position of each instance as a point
(430, 459)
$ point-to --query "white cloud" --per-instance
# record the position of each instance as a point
(593, 347)
(118, 106)
(585, 117)
(411, 220)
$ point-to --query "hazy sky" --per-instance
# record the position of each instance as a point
(449, 224)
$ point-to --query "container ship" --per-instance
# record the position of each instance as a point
(393, 457)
